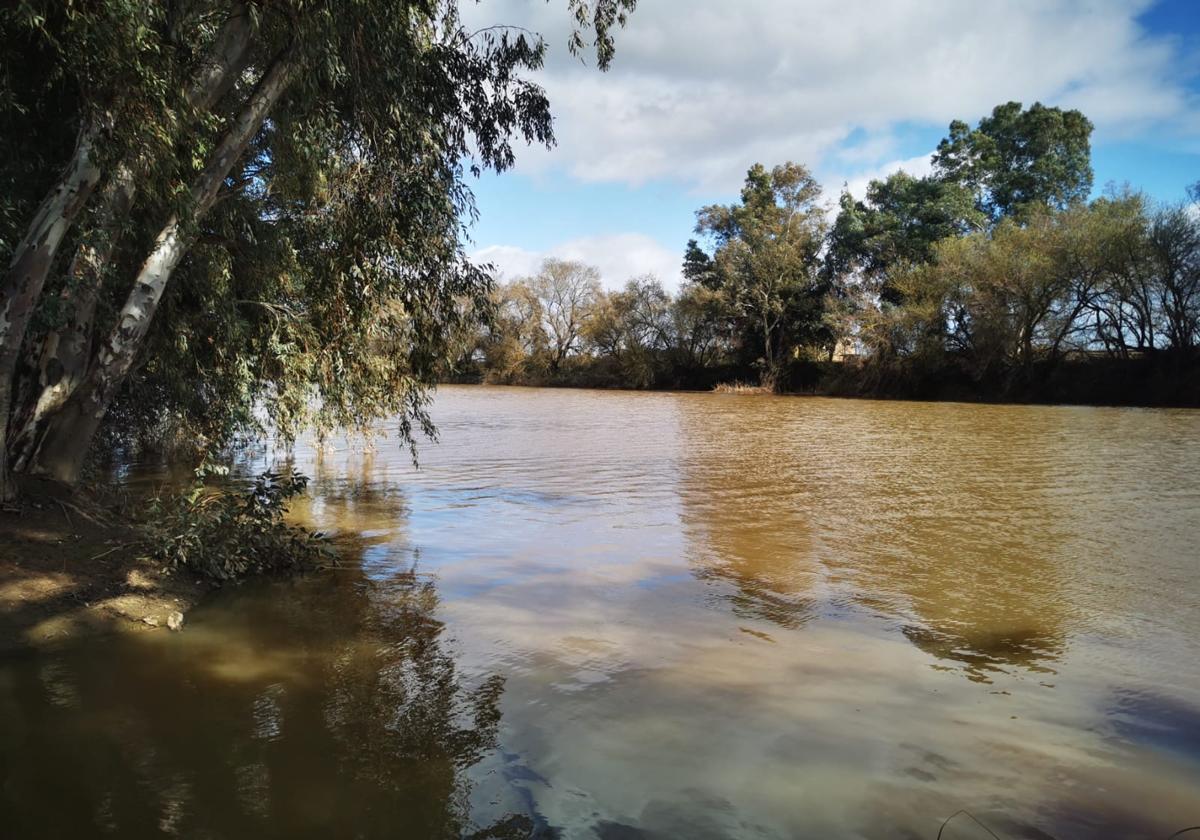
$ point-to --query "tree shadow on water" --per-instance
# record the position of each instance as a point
(324, 706)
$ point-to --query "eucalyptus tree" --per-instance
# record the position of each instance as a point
(897, 223)
(102, 66)
(698, 268)
(1012, 160)
(766, 260)
(302, 163)
(1015, 162)
(1018, 157)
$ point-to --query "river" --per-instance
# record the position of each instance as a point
(625, 615)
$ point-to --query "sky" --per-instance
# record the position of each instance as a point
(700, 90)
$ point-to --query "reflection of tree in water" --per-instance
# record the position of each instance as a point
(977, 606)
(982, 597)
(974, 552)
(351, 492)
(947, 518)
(981, 651)
(753, 598)
(403, 724)
(746, 527)
(764, 562)
(327, 707)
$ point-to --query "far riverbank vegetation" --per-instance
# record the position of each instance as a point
(994, 277)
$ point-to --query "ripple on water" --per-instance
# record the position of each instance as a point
(678, 615)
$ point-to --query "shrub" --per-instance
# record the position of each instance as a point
(224, 533)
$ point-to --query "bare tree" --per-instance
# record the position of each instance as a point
(1175, 245)
(567, 291)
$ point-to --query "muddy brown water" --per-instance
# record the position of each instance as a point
(613, 615)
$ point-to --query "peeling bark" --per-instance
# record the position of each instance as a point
(65, 356)
(69, 433)
(218, 73)
(65, 352)
(29, 268)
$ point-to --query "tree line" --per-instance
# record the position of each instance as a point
(217, 215)
(223, 216)
(996, 276)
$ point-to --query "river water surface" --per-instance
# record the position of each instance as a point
(615, 615)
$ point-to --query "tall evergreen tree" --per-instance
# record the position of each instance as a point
(300, 162)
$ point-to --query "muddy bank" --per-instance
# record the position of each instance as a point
(70, 565)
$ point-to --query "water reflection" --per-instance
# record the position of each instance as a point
(320, 707)
(1154, 719)
(715, 618)
(937, 524)
(744, 493)
(981, 650)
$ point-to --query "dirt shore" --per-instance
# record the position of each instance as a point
(70, 565)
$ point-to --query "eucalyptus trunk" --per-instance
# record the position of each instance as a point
(66, 351)
(30, 265)
(69, 432)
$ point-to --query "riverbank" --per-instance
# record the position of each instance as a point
(1149, 381)
(1162, 381)
(70, 567)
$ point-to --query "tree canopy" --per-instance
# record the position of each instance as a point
(225, 212)
(987, 276)
(765, 259)
(898, 223)
(1020, 157)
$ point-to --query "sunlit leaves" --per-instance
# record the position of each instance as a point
(329, 283)
(1019, 158)
(766, 259)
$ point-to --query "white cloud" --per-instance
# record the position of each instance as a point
(918, 167)
(618, 257)
(702, 89)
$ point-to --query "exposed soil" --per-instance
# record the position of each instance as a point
(70, 565)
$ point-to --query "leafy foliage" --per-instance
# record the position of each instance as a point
(640, 336)
(1105, 278)
(632, 327)
(223, 534)
(301, 212)
(899, 222)
(990, 274)
(1017, 158)
(766, 260)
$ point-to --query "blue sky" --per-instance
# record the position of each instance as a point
(852, 88)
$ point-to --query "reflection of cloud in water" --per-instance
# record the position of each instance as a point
(1153, 719)
(743, 617)
(830, 527)
(692, 813)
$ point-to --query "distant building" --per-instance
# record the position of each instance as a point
(847, 350)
